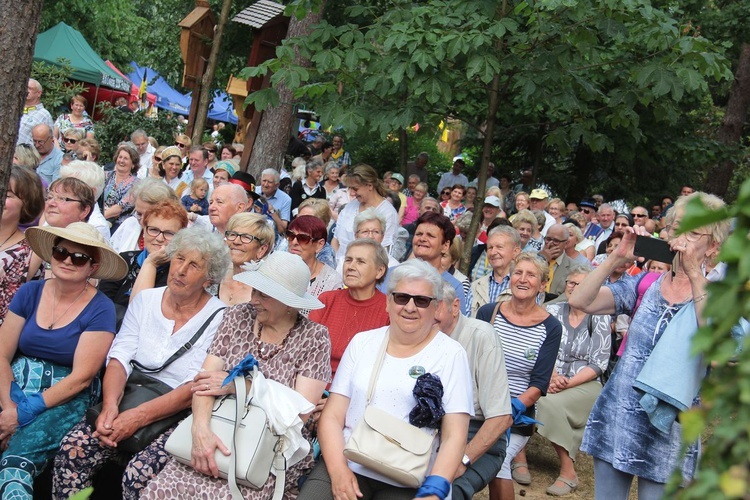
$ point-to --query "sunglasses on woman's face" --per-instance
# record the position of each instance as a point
(179, 145)
(158, 159)
(68, 140)
(77, 258)
(446, 193)
(421, 301)
(302, 239)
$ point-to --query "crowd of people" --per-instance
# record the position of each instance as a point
(342, 286)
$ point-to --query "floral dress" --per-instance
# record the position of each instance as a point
(119, 194)
(306, 352)
(618, 430)
(63, 123)
(15, 265)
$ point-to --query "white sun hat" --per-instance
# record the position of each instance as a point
(284, 277)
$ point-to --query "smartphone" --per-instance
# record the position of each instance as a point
(653, 249)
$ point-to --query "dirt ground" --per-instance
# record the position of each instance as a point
(544, 467)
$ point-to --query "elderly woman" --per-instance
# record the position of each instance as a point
(117, 184)
(359, 306)
(525, 223)
(291, 350)
(309, 187)
(89, 150)
(223, 172)
(531, 340)
(576, 236)
(93, 175)
(415, 290)
(78, 118)
(411, 212)
(521, 201)
(24, 202)
(54, 341)
(27, 156)
(249, 239)
(171, 169)
(615, 438)
(575, 384)
(369, 224)
(147, 193)
(158, 323)
(331, 182)
(70, 140)
(367, 191)
(306, 236)
(149, 266)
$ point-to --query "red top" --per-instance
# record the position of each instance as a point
(345, 317)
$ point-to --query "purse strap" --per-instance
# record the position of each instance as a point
(279, 462)
(378, 365)
(182, 350)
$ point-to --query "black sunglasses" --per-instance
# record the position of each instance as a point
(421, 301)
(638, 215)
(179, 144)
(77, 258)
(302, 239)
(70, 141)
(157, 158)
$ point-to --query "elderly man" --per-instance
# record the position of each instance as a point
(559, 263)
(226, 200)
(49, 166)
(139, 138)
(33, 113)
(198, 161)
(538, 200)
(503, 245)
(450, 179)
(338, 155)
(485, 450)
(639, 215)
(418, 167)
(411, 185)
(606, 216)
(280, 203)
(491, 180)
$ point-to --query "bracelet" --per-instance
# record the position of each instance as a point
(434, 485)
(698, 299)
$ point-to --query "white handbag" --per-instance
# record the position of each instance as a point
(255, 450)
(388, 445)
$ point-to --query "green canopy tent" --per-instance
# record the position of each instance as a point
(62, 41)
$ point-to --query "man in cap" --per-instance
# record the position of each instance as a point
(33, 112)
(588, 209)
(450, 179)
(538, 200)
(395, 183)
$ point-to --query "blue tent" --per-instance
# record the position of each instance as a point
(166, 97)
(222, 109)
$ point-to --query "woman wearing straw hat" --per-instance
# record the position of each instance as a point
(158, 323)
(52, 345)
(171, 169)
(290, 349)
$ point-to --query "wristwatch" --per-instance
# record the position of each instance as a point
(466, 460)
(271, 210)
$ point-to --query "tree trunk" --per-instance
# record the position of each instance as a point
(403, 150)
(730, 132)
(208, 76)
(18, 30)
(275, 126)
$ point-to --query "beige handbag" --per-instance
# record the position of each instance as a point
(255, 450)
(388, 445)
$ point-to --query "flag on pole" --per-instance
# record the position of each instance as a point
(142, 89)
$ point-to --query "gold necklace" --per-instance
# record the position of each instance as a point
(54, 306)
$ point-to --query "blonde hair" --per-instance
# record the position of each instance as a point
(525, 216)
(540, 264)
(257, 226)
(197, 183)
(719, 230)
(320, 207)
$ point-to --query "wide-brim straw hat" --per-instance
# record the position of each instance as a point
(284, 277)
(111, 265)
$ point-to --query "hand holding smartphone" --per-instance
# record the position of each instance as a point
(653, 249)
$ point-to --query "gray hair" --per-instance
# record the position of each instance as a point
(580, 268)
(416, 270)
(88, 172)
(368, 215)
(150, 190)
(605, 206)
(36, 84)
(414, 176)
(76, 132)
(424, 155)
(138, 133)
(273, 172)
(541, 220)
(381, 256)
(426, 198)
(538, 262)
(297, 162)
(312, 165)
(513, 235)
(330, 166)
(210, 245)
(464, 221)
(575, 230)
(237, 192)
(449, 293)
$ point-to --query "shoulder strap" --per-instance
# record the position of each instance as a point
(494, 313)
(644, 283)
(182, 350)
(378, 365)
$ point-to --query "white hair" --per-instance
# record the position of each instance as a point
(273, 172)
(88, 172)
(416, 270)
(368, 215)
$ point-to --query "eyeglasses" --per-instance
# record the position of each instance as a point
(369, 232)
(547, 239)
(621, 224)
(154, 232)
(572, 284)
(302, 239)
(421, 301)
(179, 145)
(77, 258)
(68, 140)
(60, 199)
(638, 215)
(244, 237)
(586, 210)
(37, 141)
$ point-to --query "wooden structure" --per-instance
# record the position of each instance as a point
(269, 29)
(197, 33)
